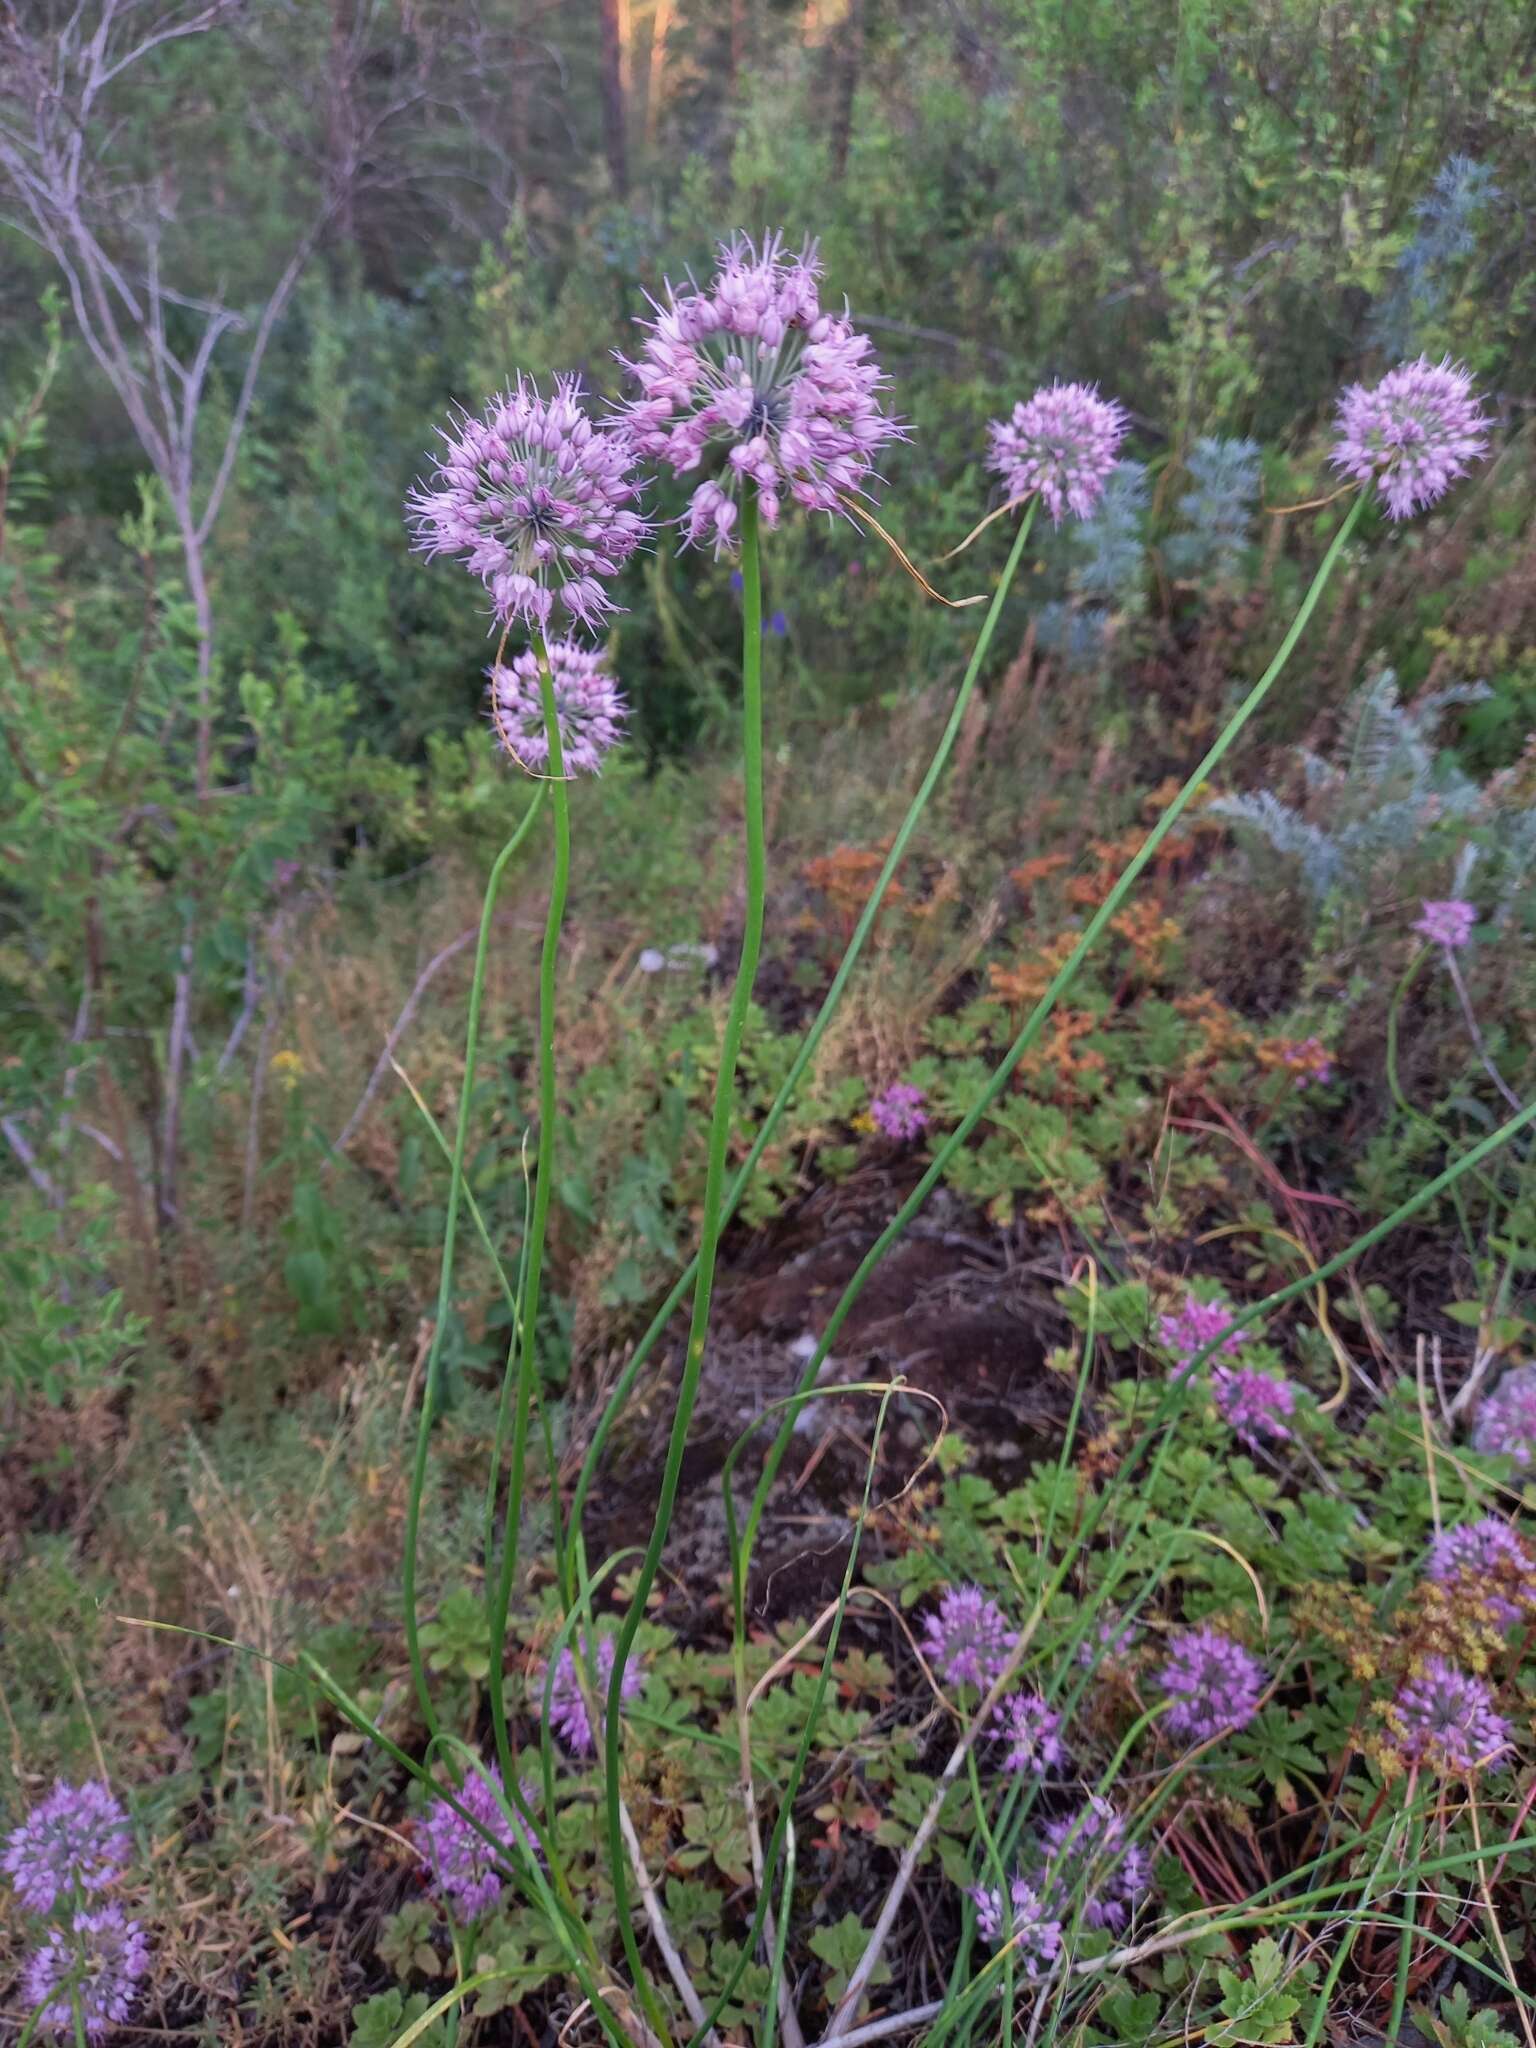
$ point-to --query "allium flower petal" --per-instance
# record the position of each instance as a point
(1088, 1865)
(589, 708)
(1506, 1422)
(1412, 434)
(1256, 1405)
(969, 1639)
(97, 1961)
(567, 1709)
(75, 1840)
(1445, 1718)
(1214, 1684)
(1064, 443)
(898, 1112)
(1030, 1732)
(1198, 1323)
(1021, 1919)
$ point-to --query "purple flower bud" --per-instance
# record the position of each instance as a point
(589, 708)
(1064, 443)
(1412, 434)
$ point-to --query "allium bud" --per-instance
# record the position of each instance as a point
(589, 708)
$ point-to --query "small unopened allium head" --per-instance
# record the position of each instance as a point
(1412, 434)
(1447, 923)
(754, 369)
(1186, 1331)
(1214, 1684)
(1256, 1405)
(1030, 1732)
(98, 1962)
(969, 1639)
(1443, 1717)
(1022, 1919)
(1491, 1562)
(461, 1863)
(589, 708)
(1506, 1422)
(537, 501)
(1089, 1865)
(898, 1112)
(75, 1840)
(567, 1709)
(1064, 443)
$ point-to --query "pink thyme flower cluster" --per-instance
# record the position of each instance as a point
(969, 1639)
(1308, 1059)
(1187, 1331)
(590, 709)
(898, 1112)
(536, 501)
(1445, 1718)
(1506, 1422)
(1491, 1562)
(460, 1861)
(1064, 443)
(95, 1963)
(1089, 1862)
(1031, 1734)
(754, 365)
(75, 1840)
(1447, 923)
(1021, 1919)
(567, 1709)
(1214, 1685)
(1412, 434)
(1254, 1404)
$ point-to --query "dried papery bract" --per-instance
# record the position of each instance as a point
(754, 369)
(589, 707)
(1412, 435)
(1064, 443)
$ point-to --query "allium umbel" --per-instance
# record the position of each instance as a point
(1506, 1422)
(461, 1863)
(899, 1113)
(1444, 1718)
(537, 501)
(76, 1840)
(755, 367)
(1447, 923)
(1064, 443)
(97, 1963)
(567, 1709)
(969, 1639)
(1214, 1684)
(1255, 1405)
(1491, 1562)
(1030, 1732)
(1186, 1331)
(1412, 435)
(1021, 1920)
(1090, 1865)
(589, 708)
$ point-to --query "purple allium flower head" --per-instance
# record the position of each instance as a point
(1213, 1682)
(1506, 1422)
(899, 1112)
(76, 1840)
(754, 366)
(589, 707)
(1197, 1324)
(1254, 1404)
(461, 1862)
(1447, 924)
(536, 501)
(1030, 1732)
(1490, 1559)
(1086, 1852)
(969, 1638)
(567, 1709)
(1063, 443)
(1021, 1919)
(1412, 434)
(97, 1961)
(1445, 1718)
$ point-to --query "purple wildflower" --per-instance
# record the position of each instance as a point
(1107, 1639)
(1021, 1920)
(755, 366)
(75, 1840)
(1254, 1404)
(1506, 1422)
(535, 500)
(1446, 1719)
(1491, 1561)
(899, 1112)
(1063, 443)
(567, 1709)
(1197, 1324)
(98, 1963)
(589, 708)
(1412, 434)
(461, 1862)
(1031, 1732)
(1087, 1853)
(969, 1638)
(1448, 923)
(1308, 1059)
(1214, 1685)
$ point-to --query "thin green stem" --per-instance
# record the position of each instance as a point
(526, 1323)
(429, 1397)
(714, 1195)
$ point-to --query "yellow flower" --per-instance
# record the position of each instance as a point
(287, 1066)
